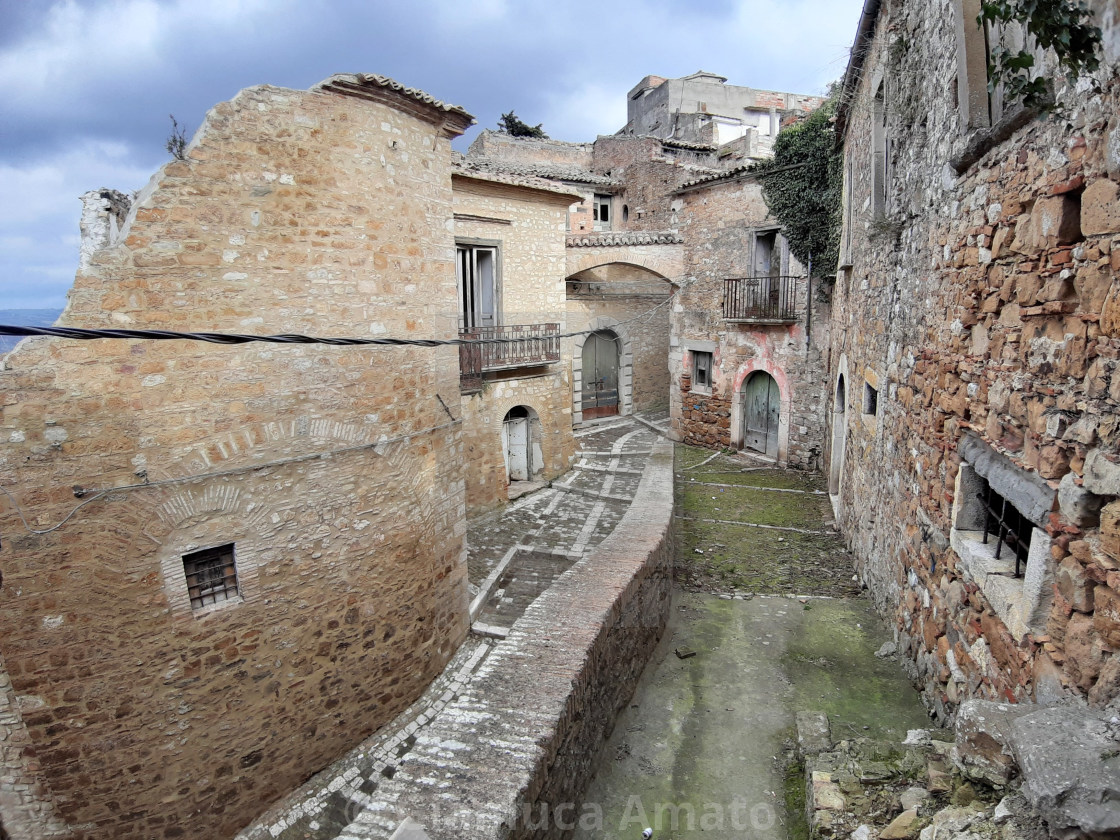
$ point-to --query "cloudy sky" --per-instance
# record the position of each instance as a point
(86, 86)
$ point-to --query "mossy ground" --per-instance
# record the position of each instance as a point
(721, 550)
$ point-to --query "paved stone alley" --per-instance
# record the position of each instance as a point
(767, 623)
(513, 556)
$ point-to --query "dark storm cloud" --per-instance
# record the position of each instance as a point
(88, 86)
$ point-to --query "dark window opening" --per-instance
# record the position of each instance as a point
(601, 212)
(625, 212)
(870, 399)
(211, 575)
(767, 255)
(1010, 528)
(702, 370)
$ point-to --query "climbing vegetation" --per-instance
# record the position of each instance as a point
(510, 124)
(802, 186)
(1064, 26)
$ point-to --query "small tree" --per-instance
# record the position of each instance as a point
(511, 125)
(176, 144)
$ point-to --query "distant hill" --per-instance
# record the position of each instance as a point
(24, 318)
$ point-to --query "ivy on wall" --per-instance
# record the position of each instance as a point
(802, 186)
(1064, 26)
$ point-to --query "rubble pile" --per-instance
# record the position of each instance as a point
(1008, 772)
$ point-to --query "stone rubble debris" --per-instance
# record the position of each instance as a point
(1009, 772)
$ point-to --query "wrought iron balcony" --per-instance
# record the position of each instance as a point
(516, 346)
(760, 300)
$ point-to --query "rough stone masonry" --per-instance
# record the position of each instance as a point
(138, 707)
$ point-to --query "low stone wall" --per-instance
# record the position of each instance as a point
(511, 757)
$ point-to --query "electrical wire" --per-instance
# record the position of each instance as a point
(234, 338)
(292, 338)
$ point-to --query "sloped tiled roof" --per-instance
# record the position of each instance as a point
(713, 177)
(460, 167)
(604, 239)
(555, 172)
(362, 85)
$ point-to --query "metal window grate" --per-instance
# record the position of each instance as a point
(1010, 527)
(211, 575)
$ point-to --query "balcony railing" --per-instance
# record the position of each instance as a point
(524, 345)
(760, 299)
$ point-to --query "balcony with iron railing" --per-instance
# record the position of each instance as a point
(514, 346)
(760, 300)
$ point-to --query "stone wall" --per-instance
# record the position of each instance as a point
(543, 703)
(635, 298)
(547, 394)
(531, 150)
(27, 809)
(334, 471)
(718, 222)
(979, 306)
(648, 172)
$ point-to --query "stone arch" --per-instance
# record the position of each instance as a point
(533, 466)
(839, 436)
(666, 261)
(625, 367)
(785, 401)
(237, 507)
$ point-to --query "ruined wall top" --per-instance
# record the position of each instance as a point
(703, 108)
(531, 150)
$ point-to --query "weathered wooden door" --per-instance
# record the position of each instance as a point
(599, 396)
(761, 410)
(516, 433)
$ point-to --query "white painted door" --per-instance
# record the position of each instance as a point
(517, 434)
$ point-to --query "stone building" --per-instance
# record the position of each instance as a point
(230, 563)
(664, 202)
(619, 272)
(749, 336)
(703, 109)
(516, 396)
(973, 366)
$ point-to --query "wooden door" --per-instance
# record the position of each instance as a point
(761, 410)
(517, 448)
(599, 397)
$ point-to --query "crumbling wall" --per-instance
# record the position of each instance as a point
(530, 150)
(982, 302)
(334, 471)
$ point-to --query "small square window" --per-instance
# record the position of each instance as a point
(870, 399)
(211, 575)
(701, 371)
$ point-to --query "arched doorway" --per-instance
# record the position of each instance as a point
(839, 430)
(761, 413)
(521, 443)
(599, 388)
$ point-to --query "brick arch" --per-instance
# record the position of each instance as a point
(666, 261)
(625, 367)
(785, 401)
(237, 508)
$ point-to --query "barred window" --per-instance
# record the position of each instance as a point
(211, 575)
